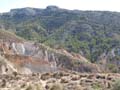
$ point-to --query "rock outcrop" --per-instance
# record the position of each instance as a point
(27, 56)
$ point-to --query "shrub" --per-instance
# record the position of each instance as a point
(57, 86)
(116, 85)
(96, 86)
(39, 87)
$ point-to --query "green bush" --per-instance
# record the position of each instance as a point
(96, 86)
(116, 85)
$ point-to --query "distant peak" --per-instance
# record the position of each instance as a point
(52, 7)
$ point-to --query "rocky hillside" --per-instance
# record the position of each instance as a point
(59, 49)
(27, 57)
(89, 33)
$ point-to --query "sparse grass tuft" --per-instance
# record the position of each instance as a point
(57, 86)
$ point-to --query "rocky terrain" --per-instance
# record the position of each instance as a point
(60, 49)
(27, 57)
(58, 81)
(27, 65)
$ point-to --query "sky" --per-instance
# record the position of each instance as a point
(102, 5)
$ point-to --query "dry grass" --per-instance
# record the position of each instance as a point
(57, 86)
(6, 35)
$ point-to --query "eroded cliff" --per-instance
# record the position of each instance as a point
(27, 56)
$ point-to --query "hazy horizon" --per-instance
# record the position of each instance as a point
(94, 5)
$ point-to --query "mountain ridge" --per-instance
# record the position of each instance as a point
(89, 33)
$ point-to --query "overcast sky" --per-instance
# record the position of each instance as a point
(110, 5)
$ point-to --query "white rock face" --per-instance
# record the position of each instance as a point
(3, 69)
(25, 70)
(18, 48)
(23, 49)
(113, 52)
(14, 48)
(46, 55)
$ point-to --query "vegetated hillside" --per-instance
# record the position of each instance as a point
(90, 33)
(8, 36)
